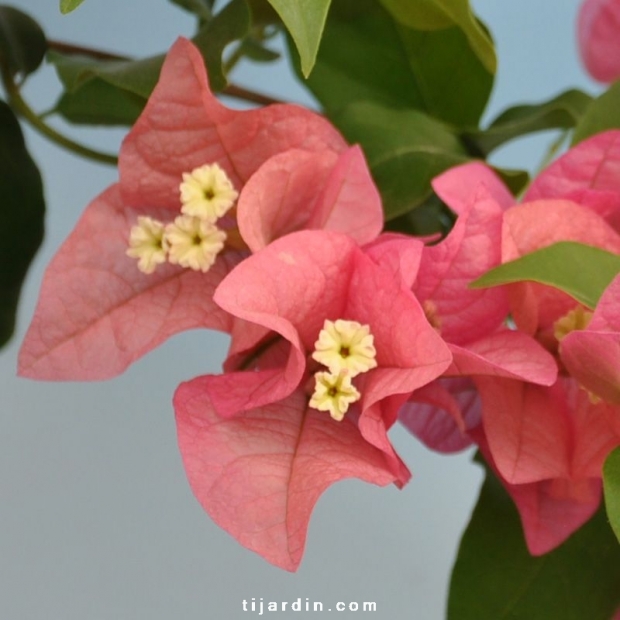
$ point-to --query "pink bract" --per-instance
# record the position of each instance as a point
(458, 186)
(537, 433)
(592, 355)
(290, 452)
(469, 320)
(535, 225)
(97, 313)
(550, 510)
(547, 442)
(598, 32)
(588, 174)
(259, 474)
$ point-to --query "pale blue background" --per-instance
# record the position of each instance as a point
(96, 519)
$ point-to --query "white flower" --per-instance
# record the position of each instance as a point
(207, 193)
(345, 345)
(333, 393)
(193, 242)
(148, 244)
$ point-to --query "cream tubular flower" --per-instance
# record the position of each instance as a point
(345, 345)
(148, 244)
(578, 318)
(333, 393)
(207, 193)
(193, 242)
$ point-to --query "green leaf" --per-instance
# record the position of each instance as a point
(611, 484)
(22, 42)
(602, 114)
(66, 6)
(405, 150)
(495, 577)
(582, 271)
(134, 76)
(305, 20)
(367, 55)
(21, 217)
(200, 8)
(440, 14)
(515, 180)
(115, 92)
(230, 24)
(98, 103)
(561, 112)
(252, 49)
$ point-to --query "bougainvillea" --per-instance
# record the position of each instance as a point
(366, 262)
(259, 440)
(547, 444)
(100, 310)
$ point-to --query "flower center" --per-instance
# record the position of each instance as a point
(432, 316)
(347, 349)
(575, 319)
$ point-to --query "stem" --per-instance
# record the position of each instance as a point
(235, 57)
(239, 92)
(70, 49)
(20, 106)
(232, 90)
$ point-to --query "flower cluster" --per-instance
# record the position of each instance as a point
(337, 331)
(347, 349)
(193, 240)
(547, 443)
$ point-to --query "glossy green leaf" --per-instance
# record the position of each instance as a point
(114, 92)
(602, 114)
(66, 6)
(305, 20)
(405, 150)
(366, 54)
(515, 180)
(22, 41)
(611, 484)
(21, 217)
(98, 103)
(440, 14)
(257, 52)
(230, 24)
(495, 577)
(582, 271)
(561, 112)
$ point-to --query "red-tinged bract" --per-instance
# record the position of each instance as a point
(256, 454)
(471, 321)
(598, 33)
(97, 312)
(546, 440)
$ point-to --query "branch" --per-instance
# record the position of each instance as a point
(232, 90)
(21, 107)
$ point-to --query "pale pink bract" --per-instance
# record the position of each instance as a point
(547, 444)
(97, 313)
(598, 33)
(257, 457)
